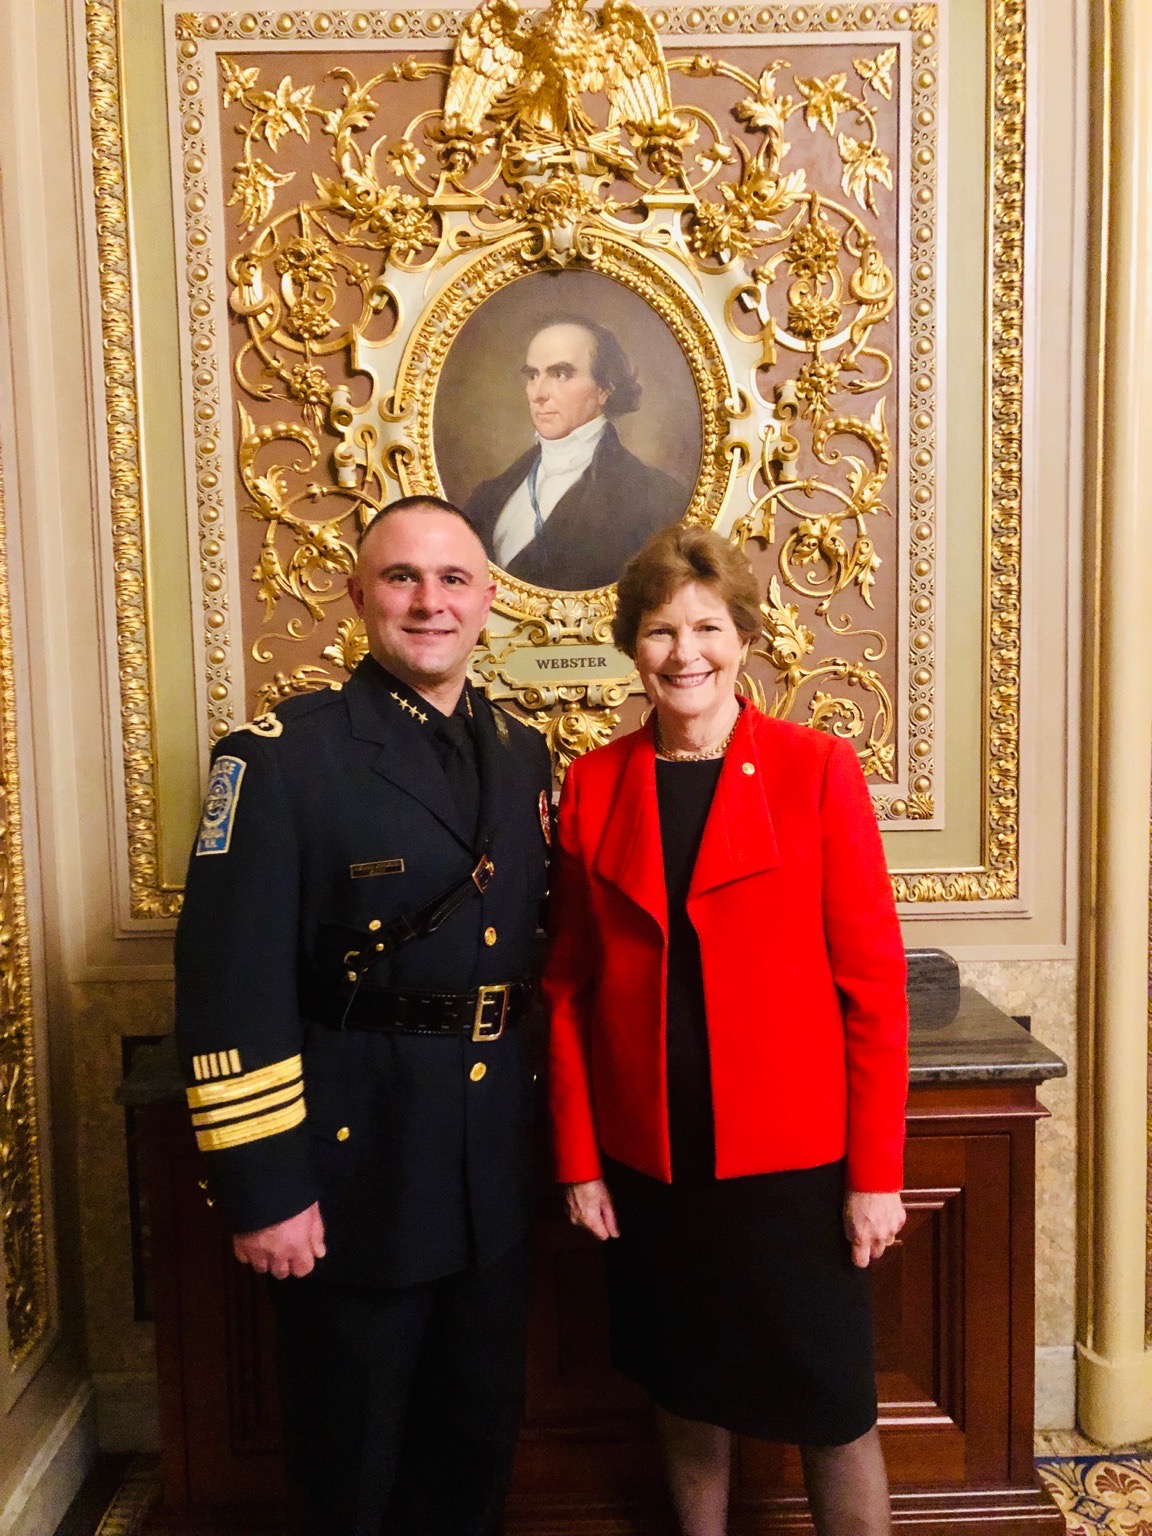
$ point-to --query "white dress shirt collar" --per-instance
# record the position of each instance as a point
(571, 455)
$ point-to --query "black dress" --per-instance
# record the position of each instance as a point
(733, 1301)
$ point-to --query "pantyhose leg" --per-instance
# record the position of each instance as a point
(848, 1487)
(698, 1457)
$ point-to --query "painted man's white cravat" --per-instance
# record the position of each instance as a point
(562, 462)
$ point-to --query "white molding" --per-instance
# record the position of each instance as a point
(52, 1478)
(1055, 1387)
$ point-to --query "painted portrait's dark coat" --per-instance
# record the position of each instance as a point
(602, 520)
(323, 823)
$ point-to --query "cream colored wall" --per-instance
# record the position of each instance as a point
(83, 969)
(104, 980)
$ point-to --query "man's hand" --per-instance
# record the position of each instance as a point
(871, 1223)
(289, 1248)
(590, 1205)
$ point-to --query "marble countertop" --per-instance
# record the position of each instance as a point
(978, 1044)
(971, 1043)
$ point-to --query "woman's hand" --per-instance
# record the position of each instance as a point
(590, 1205)
(871, 1223)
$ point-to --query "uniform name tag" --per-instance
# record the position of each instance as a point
(376, 867)
(220, 805)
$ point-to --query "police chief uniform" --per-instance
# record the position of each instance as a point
(359, 927)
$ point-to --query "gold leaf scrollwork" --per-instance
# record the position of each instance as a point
(811, 296)
(572, 731)
(21, 1195)
(148, 894)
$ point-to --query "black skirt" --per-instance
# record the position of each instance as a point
(735, 1302)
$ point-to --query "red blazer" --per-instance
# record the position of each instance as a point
(802, 956)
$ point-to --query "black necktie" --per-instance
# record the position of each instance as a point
(456, 749)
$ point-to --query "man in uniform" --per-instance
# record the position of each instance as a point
(352, 965)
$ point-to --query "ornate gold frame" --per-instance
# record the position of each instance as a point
(22, 1231)
(148, 896)
(996, 879)
(443, 320)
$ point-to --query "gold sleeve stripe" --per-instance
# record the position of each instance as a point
(244, 1131)
(273, 1076)
(258, 1105)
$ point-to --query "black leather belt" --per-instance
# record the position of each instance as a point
(482, 1015)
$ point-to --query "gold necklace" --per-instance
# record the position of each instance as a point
(717, 749)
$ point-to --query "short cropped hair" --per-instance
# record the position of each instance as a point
(610, 366)
(674, 558)
(414, 504)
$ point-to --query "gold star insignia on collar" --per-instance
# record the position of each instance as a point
(407, 705)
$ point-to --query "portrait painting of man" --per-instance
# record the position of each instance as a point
(602, 431)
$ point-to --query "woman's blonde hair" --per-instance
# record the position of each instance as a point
(674, 558)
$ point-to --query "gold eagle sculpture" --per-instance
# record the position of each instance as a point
(528, 70)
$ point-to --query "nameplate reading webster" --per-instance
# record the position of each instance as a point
(543, 664)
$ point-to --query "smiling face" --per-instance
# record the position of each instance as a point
(688, 654)
(562, 392)
(423, 591)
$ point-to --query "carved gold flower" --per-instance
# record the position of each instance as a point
(310, 386)
(814, 249)
(816, 382)
(306, 260)
(722, 230)
(555, 202)
(812, 318)
(381, 216)
(309, 320)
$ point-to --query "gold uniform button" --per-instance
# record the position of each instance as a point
(374, 925)
(748, 767)
(477, 1071)
(351, 975)
(343, 1133)
(489, 936)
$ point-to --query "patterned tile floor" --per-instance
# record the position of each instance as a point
(1099, 1495)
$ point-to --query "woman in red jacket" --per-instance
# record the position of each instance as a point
(729, 1050)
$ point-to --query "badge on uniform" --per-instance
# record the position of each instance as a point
(545, 818)
(220, 805)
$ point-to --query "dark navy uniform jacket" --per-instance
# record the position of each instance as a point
(324, 820)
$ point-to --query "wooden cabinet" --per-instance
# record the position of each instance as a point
(954, 1335)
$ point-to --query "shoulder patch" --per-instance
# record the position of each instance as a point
(220, 801)
(263, 725)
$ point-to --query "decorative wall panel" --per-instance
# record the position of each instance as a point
(397, 221)
(370, 218)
